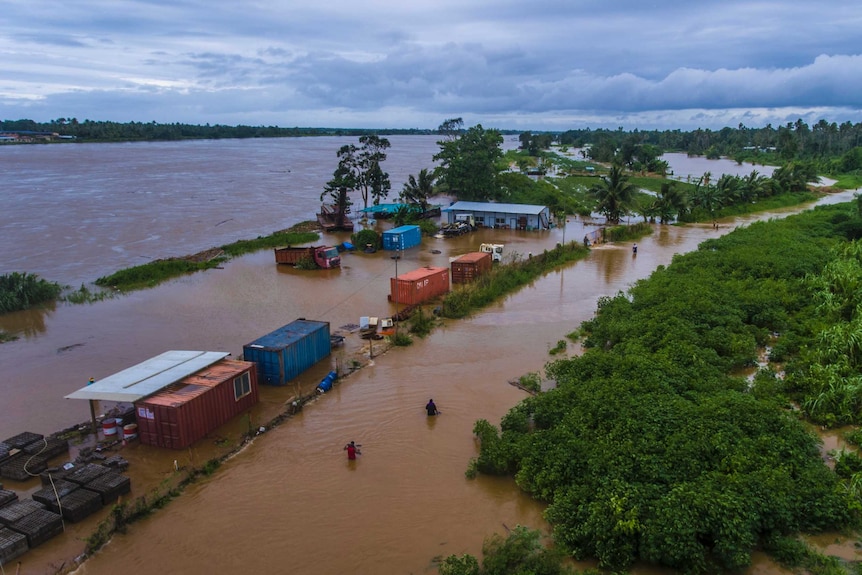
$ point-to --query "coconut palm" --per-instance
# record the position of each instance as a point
(417, 190)
(708, 198)
(614, 194)
(670, 203)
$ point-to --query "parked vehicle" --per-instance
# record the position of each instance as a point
(496, 251)
(321, 256)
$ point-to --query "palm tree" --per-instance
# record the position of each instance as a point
(418, 190)
(614, 194)
(728, 188)
(753, 186)
(671, 202)
(708, 198)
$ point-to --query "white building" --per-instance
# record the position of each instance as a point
(502, 216)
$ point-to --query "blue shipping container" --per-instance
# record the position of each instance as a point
(288, 351)
(402, 237)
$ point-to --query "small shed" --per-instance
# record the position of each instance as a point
(469, 267)
(419, 285)
(146, 378)
(402, 237)
(283, 354)
(187, 410)
(503, 216)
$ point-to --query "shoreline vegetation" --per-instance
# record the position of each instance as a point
(649, 449)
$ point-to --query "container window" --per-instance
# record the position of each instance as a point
(241, 386)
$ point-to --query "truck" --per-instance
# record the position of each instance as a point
(321, 256)
(496, 251)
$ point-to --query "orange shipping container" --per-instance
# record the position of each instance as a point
(469, 267)
(194, 406)
(419, 285)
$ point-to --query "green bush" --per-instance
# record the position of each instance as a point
(365, 237)
(20, 291)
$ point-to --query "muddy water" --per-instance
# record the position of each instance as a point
(291, 502)
(292, 499)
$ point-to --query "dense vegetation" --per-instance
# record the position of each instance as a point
(19, 291)
(650, 449)
(833, 148)
(519, 553)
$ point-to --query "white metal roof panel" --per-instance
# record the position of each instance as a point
(148, 377)
(496, 208)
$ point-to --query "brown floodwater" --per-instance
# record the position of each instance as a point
(290, 502)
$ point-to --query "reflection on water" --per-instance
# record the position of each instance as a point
(27, 323)
(690, 169)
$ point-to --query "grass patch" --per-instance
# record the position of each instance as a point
(848, 181)
(85, 295)
(153, 273)
(421, 324)
(625, 233)
(278, 239)
(559, 348)
(402, 339)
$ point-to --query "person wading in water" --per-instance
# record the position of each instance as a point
(431, 408)
(352, 450)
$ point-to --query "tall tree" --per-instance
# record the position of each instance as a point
(371, 179)
(343, 181)
(671, 202)
(417, 190)
(706, 196)
(451, 128)
(469, 165)
(614, 194)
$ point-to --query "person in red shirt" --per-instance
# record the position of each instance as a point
(352, 450)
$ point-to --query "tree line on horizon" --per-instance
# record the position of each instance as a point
(794, 140)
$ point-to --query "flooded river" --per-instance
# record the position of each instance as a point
(290, 502)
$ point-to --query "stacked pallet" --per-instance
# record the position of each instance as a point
(26, 455)
(31, 519)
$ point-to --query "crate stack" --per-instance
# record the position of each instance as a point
(69, 493)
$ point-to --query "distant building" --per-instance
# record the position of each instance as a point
(501, 216)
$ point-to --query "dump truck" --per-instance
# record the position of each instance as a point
(321, 256)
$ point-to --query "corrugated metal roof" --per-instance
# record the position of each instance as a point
(195, 385)
(497, 208)
(148, 377)
(288, 334)
(421, 273)
(472, 257)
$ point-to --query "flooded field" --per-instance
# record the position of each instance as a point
(291, 502)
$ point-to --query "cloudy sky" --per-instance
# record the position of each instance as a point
(536, 64)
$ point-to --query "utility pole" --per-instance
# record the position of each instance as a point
(396, 257)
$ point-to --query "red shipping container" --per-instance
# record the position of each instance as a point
(468, 267)
(419, 285)
(189, 409)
